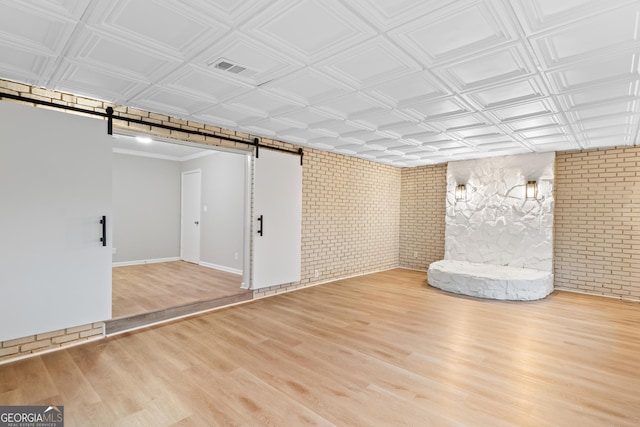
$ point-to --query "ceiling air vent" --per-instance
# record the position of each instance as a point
(231, 67)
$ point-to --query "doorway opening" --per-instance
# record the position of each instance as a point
(179, 228)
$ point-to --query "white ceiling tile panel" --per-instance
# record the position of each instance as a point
(533, 122)
(384, 144)
(310, 29)
(224, 115)
(370, 63)
(262, 103)
(464, 28)
(391, 158)
(550, 138)
(230, 12)
(381, 120)
(490, 138)
(437, 109)
(307, 86)
(602, 111)
(360, 136)
(350, 105)
(411, 89)
(556, 146)
(23, 66)
(510, 93)
(502, 146)
(325, 142)
(427, 155)
(205, 83)
(406, 129)
(477, 132)
(26, 26)
(262, 63)
(488, 68)
(444, 145)
(371, 153)
(387, 14)
(613, 131)
(579, 40)
(539, 15)
(620, 123)
(532, 134)
(128, 60)
(95, 82)
(164, 100)
(617, 91)
(334, 128)
(301, 135)
(268, 126)
(411, 150)
(63, 9)
(464, 150)
(524, 110)
(303, 118)
(352, 148)
(603, 70)
(608, 141)
(166, 26)
(460, 122)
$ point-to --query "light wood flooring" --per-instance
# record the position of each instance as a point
(158, 286)
(378, 350)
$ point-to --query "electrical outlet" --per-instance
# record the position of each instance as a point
(415, 255)
(316, 274)
(113, 250)
(235, 256)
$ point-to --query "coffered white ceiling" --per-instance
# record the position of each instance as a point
(404, 82)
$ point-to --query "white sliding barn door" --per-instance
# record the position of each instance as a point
(277, 219)
(55, 186)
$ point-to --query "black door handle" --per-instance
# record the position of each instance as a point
(261, 221)
(103, 239)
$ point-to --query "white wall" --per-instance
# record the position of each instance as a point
(496, 224)
(223, 197)
(146, 208)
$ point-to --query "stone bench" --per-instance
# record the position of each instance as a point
(490, 281)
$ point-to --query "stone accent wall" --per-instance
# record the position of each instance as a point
(422, 213)
(26, 346)
(495, 223)
(597, 242)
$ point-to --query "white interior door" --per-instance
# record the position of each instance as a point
(55, 186)
(277, 219)
(190, 229)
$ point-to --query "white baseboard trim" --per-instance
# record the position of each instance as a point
(144, 261)
(220, 267)
(593, 294)
(413, 269)
(281, 289)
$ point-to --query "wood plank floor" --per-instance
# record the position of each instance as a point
(378, 350)
(150, 287)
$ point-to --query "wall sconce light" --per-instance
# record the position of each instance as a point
(532, 190)
(461, 192)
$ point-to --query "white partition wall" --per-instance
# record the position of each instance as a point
(55, 185)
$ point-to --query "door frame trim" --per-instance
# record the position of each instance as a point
(199, 172)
